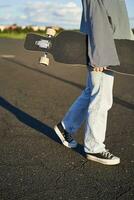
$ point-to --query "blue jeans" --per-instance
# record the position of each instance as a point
(92, 108)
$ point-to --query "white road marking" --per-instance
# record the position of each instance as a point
(7, 56)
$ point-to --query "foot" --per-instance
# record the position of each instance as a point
(104, 157)
(65, 137)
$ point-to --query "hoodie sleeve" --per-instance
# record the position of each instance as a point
(97, 25)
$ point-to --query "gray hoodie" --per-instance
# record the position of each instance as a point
(104, 21)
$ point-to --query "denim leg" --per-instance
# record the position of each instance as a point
(100, 102)
(92, 106)
(77, 113)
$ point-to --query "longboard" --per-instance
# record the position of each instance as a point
(71, 47)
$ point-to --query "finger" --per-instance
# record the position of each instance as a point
(94, 69)
(101, 69)
(97, 69)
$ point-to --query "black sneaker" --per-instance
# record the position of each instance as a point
(104, 157)
(65, 137)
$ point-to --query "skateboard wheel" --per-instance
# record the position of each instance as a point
(44, 60)
(51, 31)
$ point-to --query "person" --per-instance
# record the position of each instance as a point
(103, 21)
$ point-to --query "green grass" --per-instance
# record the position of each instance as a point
(13, 35)
(21, 35)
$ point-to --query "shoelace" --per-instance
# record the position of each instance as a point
(68, 137)
(107, 154)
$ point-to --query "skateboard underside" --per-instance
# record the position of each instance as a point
(68, 47)
(71, 47)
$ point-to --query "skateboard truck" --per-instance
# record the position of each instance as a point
(45, 44)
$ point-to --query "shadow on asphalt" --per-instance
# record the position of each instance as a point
(116, 99)
(35, 123)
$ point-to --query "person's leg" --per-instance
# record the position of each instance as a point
(77, 113)
(100, 102)
(73, 119)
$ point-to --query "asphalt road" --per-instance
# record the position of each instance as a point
(33, 163)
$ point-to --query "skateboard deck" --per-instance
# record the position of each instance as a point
(71, 47)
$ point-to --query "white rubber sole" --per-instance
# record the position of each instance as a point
(103, 161)
(64, 142)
